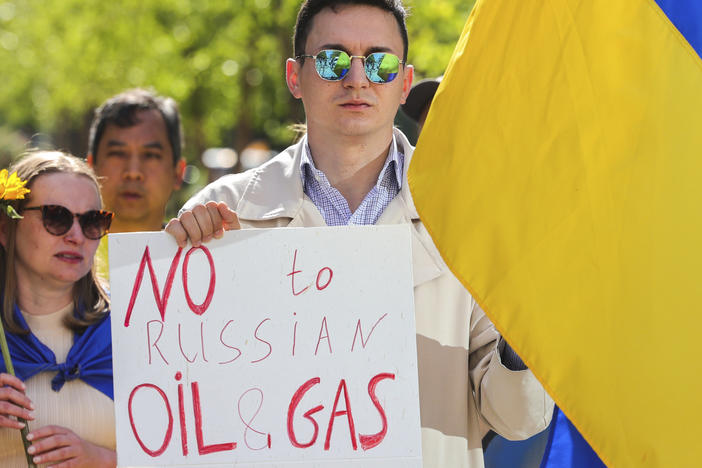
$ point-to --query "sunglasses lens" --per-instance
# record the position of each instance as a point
(57, 219)
(382, 67)
(332, 65)
(95, 223)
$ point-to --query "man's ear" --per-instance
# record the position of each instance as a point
(407, 82)
(90, 160)
(179, 173)
(292, 77)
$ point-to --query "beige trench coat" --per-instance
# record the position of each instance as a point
(463, 385)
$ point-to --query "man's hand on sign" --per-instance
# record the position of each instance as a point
(13, 402)
(203, 223)
(63, 448)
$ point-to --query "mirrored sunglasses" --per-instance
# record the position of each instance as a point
(332, 65)
(58, 220)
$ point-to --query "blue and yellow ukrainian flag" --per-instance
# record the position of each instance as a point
(560, 174)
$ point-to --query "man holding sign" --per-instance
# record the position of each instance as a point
(351, 74)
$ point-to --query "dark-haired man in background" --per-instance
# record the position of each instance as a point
(135, 148)
(350, 72)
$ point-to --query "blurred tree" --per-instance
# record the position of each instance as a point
(434, 27)
(224, 62)
(12, 143)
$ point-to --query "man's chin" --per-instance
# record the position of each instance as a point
(356, 127)
(128, 216)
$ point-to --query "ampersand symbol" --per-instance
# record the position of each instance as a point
(258, 403)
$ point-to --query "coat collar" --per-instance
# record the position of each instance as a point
(275, 191)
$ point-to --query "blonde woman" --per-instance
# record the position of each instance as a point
(56, 319)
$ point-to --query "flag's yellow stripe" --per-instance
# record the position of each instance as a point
(560, 173)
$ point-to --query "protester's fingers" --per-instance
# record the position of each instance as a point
(10, 395)
(10, 407)
(216, 218)
(10, 423)
(176, 229)
(13, 401)
(53, 444)
(49, 437)
(12, 381)
(205, 223)
(230, 220)
(45, 431)
(192, 229)
(18, 397)
(202, 223)
(64, 451)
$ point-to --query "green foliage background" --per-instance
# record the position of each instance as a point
(223, 61)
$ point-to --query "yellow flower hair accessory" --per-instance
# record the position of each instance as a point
(11, 188)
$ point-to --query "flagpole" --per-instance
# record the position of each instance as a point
(11, 370)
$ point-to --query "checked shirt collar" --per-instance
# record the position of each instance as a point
(333, 206)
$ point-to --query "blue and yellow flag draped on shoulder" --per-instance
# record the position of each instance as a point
(560, 175)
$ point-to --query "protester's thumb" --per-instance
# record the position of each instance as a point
(230, 220)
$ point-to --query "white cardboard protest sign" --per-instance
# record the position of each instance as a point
(270, 347)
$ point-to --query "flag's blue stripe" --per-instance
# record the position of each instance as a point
(686, 15)
(566, 448)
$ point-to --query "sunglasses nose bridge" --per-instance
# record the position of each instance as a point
(356, 72)
(359, 57)
(76, 228)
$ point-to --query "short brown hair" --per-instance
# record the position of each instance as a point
(89, 298)
(310, 9)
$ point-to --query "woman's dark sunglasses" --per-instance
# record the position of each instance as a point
(58, 220)
(332, 65)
